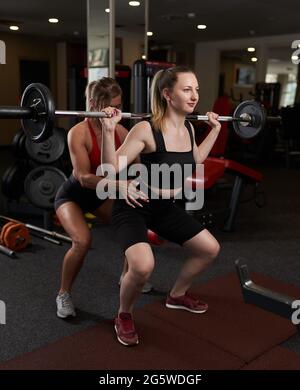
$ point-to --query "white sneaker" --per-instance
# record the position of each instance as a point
(146, 288)
(65, 307)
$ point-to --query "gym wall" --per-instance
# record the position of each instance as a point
(21, 47)
(207, 61)
(228, 67)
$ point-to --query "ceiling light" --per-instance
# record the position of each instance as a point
(134, 3)
(107, 10)
(143, 57)
(14, 28)
(251, 49)
(149, 33)
(201, 26)
(254, 59)
(53, 20)
(294, 58)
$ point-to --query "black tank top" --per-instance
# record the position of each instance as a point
(182, 163)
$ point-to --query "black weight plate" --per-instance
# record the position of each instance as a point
(38, 97)
(258, 115)
(42, 184)
(49, 151)
(22, 147)
(13, 180)
(18, 144)
(15, 142)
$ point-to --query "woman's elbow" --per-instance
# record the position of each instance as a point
(82, 178)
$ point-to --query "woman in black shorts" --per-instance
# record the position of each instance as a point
(78, 194)
(167, 139)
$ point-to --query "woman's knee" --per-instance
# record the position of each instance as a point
(209, 251)
(142, 269)
(82, 243)
(140, 261)
(214, 249)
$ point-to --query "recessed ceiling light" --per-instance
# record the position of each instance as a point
(143, 57)
(53, 20)
(191, 15)
(107, 10)
(14, 28)
(254, 59)
(134, 3)
(201, 26)
(251, 49)
(149, 33)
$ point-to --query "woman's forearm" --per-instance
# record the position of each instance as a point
(205, 147)
(89, 180)
(108, 151)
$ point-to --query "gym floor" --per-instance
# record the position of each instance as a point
(268, 238)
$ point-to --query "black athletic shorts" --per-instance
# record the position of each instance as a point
(72, 191)
(163, 216)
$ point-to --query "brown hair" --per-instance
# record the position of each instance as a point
(163, 79)
(101, 92)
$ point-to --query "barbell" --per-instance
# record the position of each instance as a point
(37, 113)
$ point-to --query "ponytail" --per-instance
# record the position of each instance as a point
(158, 103)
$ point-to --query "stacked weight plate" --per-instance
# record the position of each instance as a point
(39, 169)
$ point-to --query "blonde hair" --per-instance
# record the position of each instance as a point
(163, 79)
(101, 92)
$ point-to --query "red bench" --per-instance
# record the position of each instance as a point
(243, 176)
(214, 169)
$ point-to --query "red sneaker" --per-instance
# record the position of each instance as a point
(125, 329)
(186, 302)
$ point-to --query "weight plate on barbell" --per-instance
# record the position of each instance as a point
(38, 97)
(42, 184)
(49, 151)
(258, 115)
(15, 236)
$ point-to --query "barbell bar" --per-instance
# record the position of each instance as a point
(11, 112)
(40, 230)
(37, 113)
(129, 115)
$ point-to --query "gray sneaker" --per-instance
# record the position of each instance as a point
(147, 288)
(65, 307)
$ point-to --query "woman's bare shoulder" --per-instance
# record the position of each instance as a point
(141, 129)
(79, 130)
